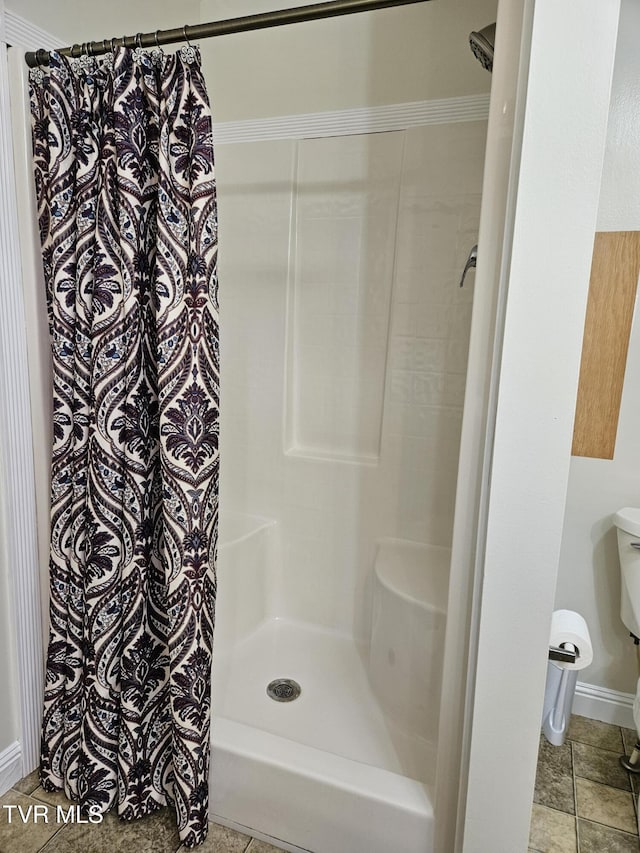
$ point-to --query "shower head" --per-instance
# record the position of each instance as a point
(481, 44)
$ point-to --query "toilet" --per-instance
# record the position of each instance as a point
(627, 521)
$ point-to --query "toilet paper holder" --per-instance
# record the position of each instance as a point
(565, 653)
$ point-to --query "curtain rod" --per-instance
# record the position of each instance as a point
(297, 15)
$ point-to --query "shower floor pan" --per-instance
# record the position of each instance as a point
(325, 772)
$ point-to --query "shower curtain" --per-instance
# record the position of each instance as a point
(124, 175)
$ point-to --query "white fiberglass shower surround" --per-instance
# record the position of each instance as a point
(344, 341)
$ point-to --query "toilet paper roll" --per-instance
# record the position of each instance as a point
(567, 626)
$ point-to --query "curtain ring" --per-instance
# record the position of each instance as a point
(139, 41)
(113, 45)
(186, 37)
(89, 48)
(83, 49)
(157, 42)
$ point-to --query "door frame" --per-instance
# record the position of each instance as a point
(537, 270)
(17, 472)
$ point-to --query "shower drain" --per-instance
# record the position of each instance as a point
(283, 689)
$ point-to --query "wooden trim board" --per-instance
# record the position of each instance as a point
(612, 294)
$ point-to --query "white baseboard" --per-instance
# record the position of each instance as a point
(600, 703)
(10, 766)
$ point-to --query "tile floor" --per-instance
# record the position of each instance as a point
(154, 834)
(584, 801)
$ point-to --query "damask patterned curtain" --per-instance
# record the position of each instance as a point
(124, 175)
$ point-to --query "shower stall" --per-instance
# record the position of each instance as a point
(344, 332)
(344, 342)
(344, 338)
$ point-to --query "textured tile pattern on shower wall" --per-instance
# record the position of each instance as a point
(584, 802)
(154, 834)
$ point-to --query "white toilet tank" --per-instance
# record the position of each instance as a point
(627, 521)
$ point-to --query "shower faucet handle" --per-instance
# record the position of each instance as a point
(635, 545)
(470, 264)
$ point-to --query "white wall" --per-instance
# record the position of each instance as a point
(389, 56)
(589, 575)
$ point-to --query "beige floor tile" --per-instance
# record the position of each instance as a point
(604, 735)
(606, 805)
(222, 840)
(556, 757)
(17, 836)
(257, 846)
(555, 792)
(551, 831)
(155, 833)
(554, 779)
(599, 765)
(28, 784)
(595, 838)
(54, 798)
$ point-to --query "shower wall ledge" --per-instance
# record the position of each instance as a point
(410, 588)
(414, 572)
(236, 527)
(321, 455)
